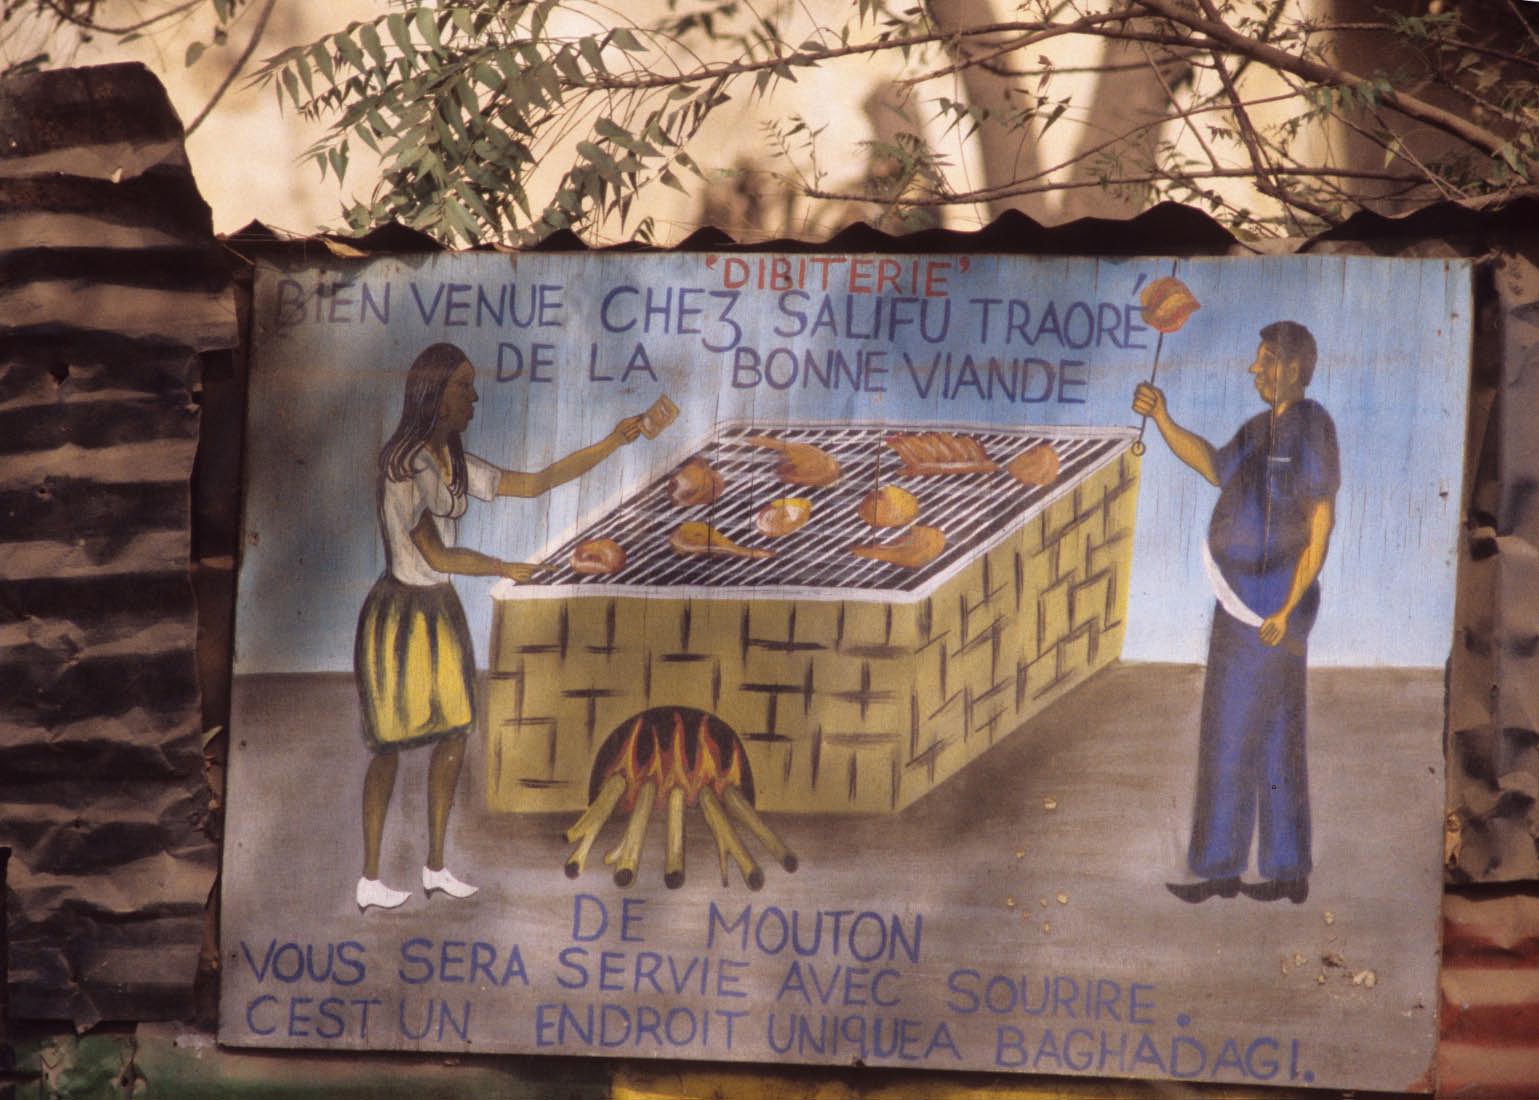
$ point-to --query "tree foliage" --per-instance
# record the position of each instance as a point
(464, 101)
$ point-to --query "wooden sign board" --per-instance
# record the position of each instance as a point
(949, 662)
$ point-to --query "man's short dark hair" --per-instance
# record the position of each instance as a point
(1293, 341)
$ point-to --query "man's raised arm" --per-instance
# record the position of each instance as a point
(1186, 445)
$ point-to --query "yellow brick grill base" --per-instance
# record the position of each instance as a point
(857, 706)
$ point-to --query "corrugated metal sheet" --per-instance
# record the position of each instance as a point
(112, 289)
(1493, 749)
(1490, 992)
(1493, 685)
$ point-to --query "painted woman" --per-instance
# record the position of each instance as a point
(412, 656)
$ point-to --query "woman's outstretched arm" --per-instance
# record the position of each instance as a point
(462, 559)
(515, 483)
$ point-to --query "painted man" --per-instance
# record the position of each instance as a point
(1266, 542)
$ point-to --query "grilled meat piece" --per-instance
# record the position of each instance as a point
(889, 506)
(702, 538)
(695, 483)
(596, 557)
(933, 453)
(800, 463)
(1036, 465)
(917, 546)
(783, 516)
(1166, 303)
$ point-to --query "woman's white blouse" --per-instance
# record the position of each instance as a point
(427, 490)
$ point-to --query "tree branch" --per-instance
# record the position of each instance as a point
(1051, 30)
(65, 15)
(1242, 121)
(1317, 72)
(809, 58)
(235, 69)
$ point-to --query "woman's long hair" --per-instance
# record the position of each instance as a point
(425, 384)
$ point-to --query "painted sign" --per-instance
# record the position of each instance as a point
(948, 662)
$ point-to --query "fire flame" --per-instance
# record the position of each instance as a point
(629, 764)
(669, 765)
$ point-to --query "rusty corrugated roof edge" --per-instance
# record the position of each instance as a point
(1167, 228)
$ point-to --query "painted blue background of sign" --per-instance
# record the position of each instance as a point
(561, 368)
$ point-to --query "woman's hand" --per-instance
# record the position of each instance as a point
(627, 430)
(516, 571)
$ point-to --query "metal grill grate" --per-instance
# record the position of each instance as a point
(974, 511)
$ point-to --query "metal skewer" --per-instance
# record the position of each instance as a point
(1138, 444)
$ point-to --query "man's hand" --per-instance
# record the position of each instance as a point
(1149, 400)
(1274, 628)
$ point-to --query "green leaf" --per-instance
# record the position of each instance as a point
(194, 51)
(468, 195)
(366, 135)
(625, 40)
(349, 51)
(1055, 114)
(609, 130)
(427, 27)
(369, 35)
(302, 67)
(291, 85)
(596, 156)
(488, 76)
(569, 67)
(459, 219)
(590, 53)
(322, 58)
(400, 34)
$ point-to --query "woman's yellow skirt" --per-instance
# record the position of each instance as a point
(414, 664)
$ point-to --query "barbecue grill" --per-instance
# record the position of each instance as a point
(850, 684)
(974, 510)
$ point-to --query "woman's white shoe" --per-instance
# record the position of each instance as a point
(443, 880)
(371, 891)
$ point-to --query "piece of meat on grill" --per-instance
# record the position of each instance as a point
(917, 546)
(782, 517)
(934, 453)
(800, 463)
(1036, 465)
(596, 557)
(701, 538)
(889, 506)
(694, 483)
